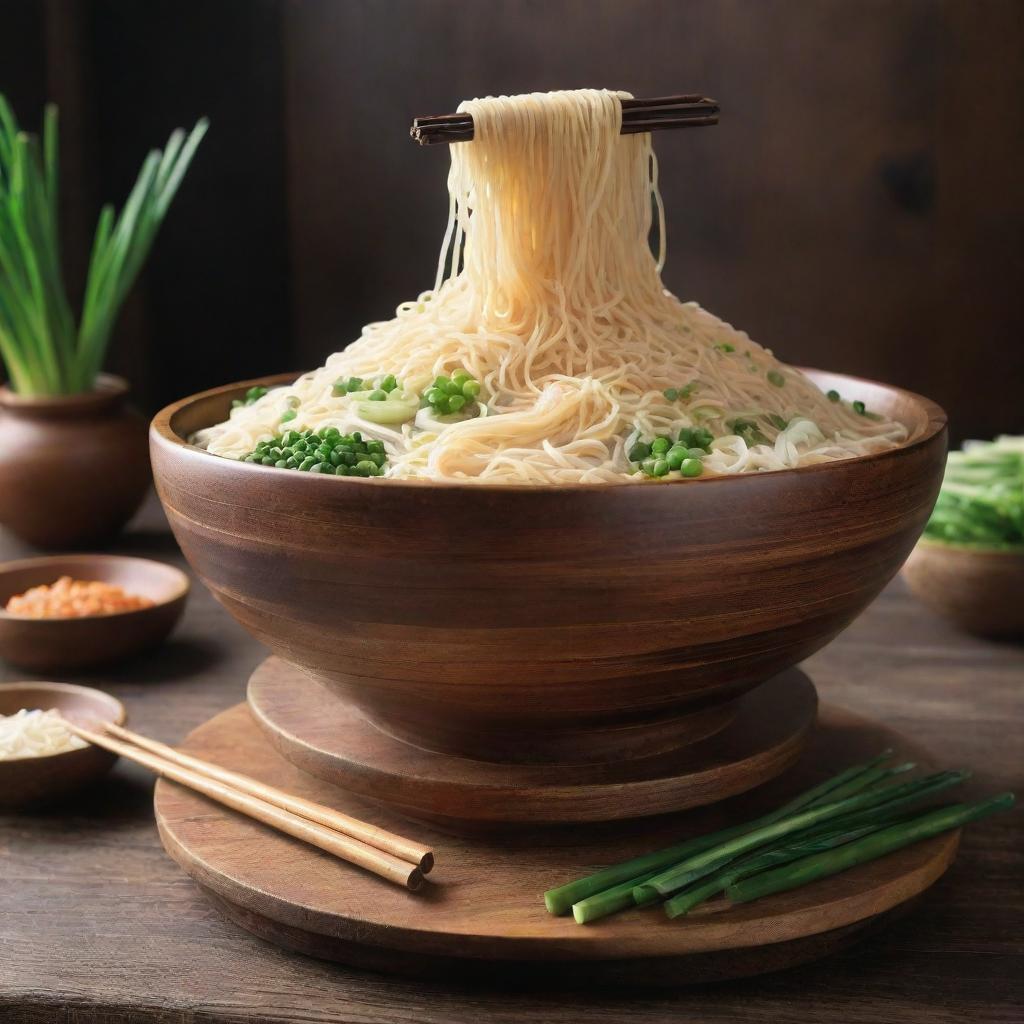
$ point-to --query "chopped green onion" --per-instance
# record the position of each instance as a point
(859, 407)
(252, 395)
(725, 347)
(671, 394)
(833, 396)
(776, 378)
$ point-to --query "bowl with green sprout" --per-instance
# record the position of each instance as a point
(969, 565)
(57, 401)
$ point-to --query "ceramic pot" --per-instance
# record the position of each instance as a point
(73, 468)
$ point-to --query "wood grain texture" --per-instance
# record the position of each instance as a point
(100, 926)
(73, 468)
(328, 738)
(483, 900)
(72, 644)
(558, 626)
(30, 782)
(979, 591)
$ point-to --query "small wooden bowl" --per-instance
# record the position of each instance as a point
(30, 781)
(981, 590)
(47, 645)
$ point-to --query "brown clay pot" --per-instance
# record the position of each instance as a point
(73, 468)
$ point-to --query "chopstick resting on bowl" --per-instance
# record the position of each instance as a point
(390, 856)
(690, 110)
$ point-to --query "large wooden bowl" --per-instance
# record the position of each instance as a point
(547, 623)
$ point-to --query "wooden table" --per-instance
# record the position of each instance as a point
(97, 924)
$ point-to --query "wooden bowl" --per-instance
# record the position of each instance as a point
(980, 590)
(46, 645)
(35, 780)
(547, 623)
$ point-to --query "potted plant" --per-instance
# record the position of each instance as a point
(74, 464)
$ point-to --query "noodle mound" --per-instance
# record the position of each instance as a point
(554, 303)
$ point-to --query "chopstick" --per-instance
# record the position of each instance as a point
(354, 851)
(389, 842)
(638, 115)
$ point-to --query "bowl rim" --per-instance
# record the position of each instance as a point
(162, 433)
(181, 590)
(121, 712)
(982, 550)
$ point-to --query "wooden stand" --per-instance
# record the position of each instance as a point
(481, 912)
(327, 737)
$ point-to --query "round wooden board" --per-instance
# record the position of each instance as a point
(326, 737)
(482, 906)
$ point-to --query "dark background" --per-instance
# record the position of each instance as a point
(859, 207)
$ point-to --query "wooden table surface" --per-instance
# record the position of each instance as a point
(97, 924)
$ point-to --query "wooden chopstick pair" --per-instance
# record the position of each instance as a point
(391, 856)
(688, 110)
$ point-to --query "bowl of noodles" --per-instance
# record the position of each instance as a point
(570, 502)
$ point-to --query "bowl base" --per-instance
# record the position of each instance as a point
(327, 737)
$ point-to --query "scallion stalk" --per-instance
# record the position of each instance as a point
(560, 900)
(870, 847)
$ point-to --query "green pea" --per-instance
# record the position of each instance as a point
(691, 467)
(377, 458)
(375, 446)
(471, 389)
(648, 466)
(675, 456)
(660, 445)
(456, 402)
(660, 467)
(441, 383)
(460, 377)
(434, 395)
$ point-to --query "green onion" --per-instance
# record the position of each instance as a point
(981, 502)
(449, 395)
(44, 351)
(725, 347)
(859, 407)
(777, 421)
(833, 396)
(681, 874)
(329, 452)
(559, 900)
(252, 395)
(761, 861)
(776, 378)
(870, 847)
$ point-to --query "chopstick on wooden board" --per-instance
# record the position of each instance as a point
(275, 808)
(690, 110)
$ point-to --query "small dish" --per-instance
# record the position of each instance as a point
(981, 590)
(47, 645)
(29, 781)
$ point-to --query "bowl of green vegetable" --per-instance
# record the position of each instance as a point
(969, 565)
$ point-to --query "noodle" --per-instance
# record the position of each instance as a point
(548, 295)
